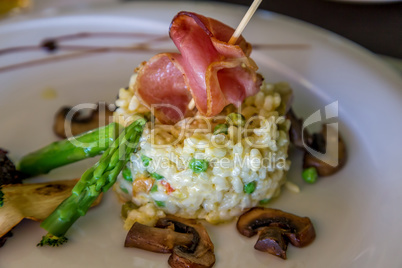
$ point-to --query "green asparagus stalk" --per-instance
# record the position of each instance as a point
(60, 153)
(97, 179)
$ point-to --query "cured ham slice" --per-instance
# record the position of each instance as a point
(207, 69)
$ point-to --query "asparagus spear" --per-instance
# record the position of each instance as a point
(60, 153)
(99, 178)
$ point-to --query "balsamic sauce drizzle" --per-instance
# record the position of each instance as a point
(54, 45)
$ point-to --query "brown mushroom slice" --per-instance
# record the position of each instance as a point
(319, 144)
(156, 239)
(296, 131)
(299, 231)
(81, 121)
(32, 201)
(272, 241)
(187, 240)
(181, 259)
(200, 254)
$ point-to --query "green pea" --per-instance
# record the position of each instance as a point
(145, 160)
(157, 176)
(221, 129)
(310, 175)
(160, 203)
(127, 174)
(236, 119)
(126, 208)
(249, 188)
(198, 165)
(154, 188)
(124, 190)
(265, 201)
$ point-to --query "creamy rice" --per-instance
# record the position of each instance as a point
(254, 154)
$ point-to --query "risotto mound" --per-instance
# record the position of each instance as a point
(207, 168)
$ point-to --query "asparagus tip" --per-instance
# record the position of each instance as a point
(52, 240)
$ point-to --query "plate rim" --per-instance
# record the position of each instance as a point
(350, 44)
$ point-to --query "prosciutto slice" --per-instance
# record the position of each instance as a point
(207, 69)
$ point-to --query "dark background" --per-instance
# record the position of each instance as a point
(378, 27)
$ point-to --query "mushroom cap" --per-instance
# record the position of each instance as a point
(319, 143)
(200, 254)
(180, 259)
(187, 240)
(296, 131)
(298, 230)
(154, 239)
(80, 123)
(272, 241)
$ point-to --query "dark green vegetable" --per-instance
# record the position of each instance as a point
(160, 203)
(145, 160)
(126, 208)
(8, 173)
(1, 197)
(127, 174)
(221, 129)
(60, 153)
(124, 190)
(52, 240)
(198, 165)
(265, 201)
(249, 188)
(154, 188)
(156, 176)
(236, 119)
(310, 175)
(97, 179)
(148, 116)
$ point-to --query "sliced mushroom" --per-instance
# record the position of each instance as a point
(319, 144)
(82, 120)
(156, 239)
(272, 241)
(187, 240)
(296, 131)
(32, 201)
(299, 231)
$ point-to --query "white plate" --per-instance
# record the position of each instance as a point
(357, 212)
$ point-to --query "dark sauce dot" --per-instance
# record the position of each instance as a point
(49, 45)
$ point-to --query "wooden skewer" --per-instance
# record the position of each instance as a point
(244, 21)
(191, 105)
(237, 33)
